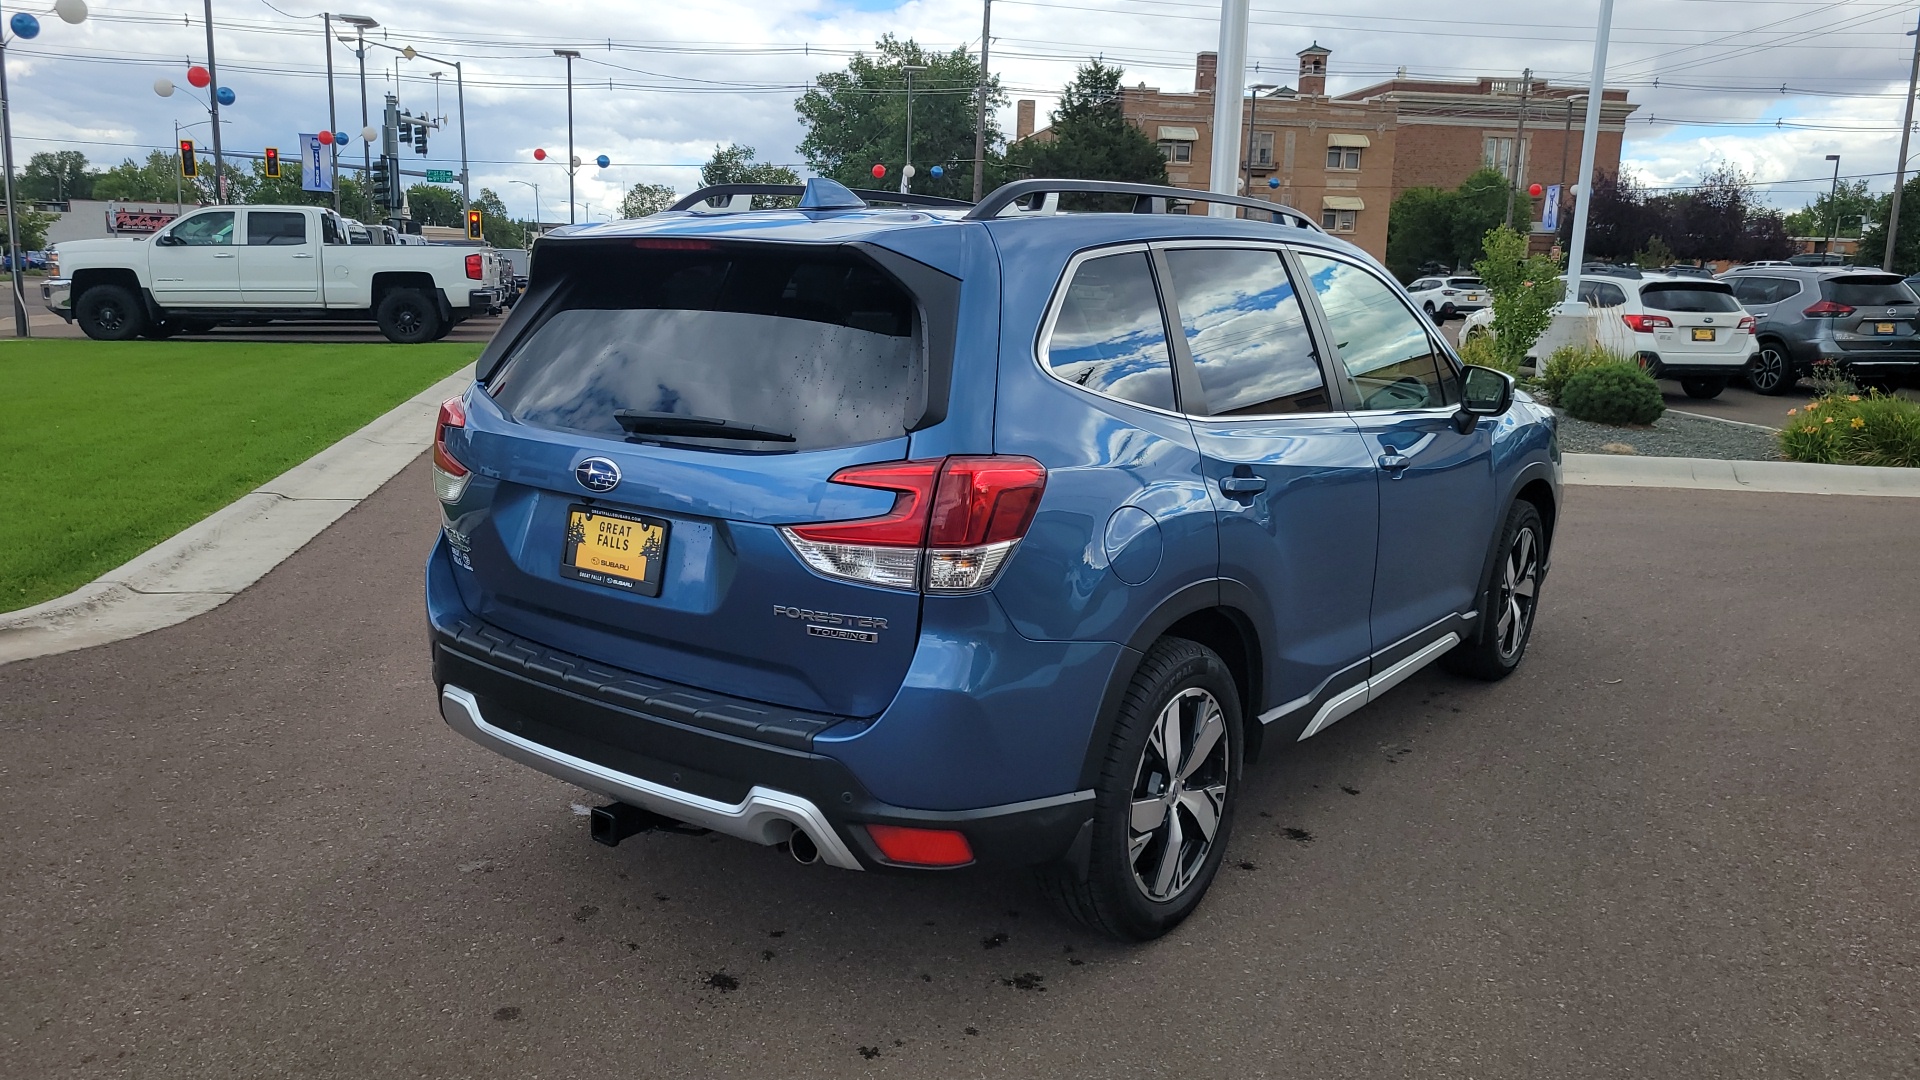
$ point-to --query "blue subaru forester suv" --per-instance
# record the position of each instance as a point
(929, 535)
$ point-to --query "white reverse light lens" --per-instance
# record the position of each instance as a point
(966, 569)
(889, 567)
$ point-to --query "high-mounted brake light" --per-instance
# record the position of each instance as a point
(672, 243)
(449, 476)
(1827, 309)
(1646, 324)
(474, 265)
(957, 519)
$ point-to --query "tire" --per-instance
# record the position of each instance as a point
(446, 327)
(1150, 801)
(408, 317)
(160, 331)
(1448, 312)
(1509, 598)
(1703, 386)
(1432, 315)
(110, 313)
(1770, 372)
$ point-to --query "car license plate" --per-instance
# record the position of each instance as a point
(1885, 328)
(615, 549)
(1473, 298)
(1703, 333)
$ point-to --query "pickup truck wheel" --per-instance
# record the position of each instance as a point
(110, 313)
(408, 317)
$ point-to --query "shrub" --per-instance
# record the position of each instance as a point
(1479, 349)
(1569, 360)
(1524, 289)
(1851, 429)
(1615, 393)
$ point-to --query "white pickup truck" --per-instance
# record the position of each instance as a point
(225, 265)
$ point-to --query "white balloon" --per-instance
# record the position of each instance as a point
(163, 87)
(73, 11)
(910, 172)
(369, 133)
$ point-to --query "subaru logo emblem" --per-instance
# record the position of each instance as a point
(597, 474)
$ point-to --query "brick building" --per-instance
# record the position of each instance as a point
(1346, 158)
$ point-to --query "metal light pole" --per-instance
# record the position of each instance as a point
(980, 116)
(1589, 148)
(361, 24)
(333, 112)
(906, 167)
(536, 198)
(1221, 173)
(571, 55)
(1833, 203)
(459, 79)
(71, 13)
(213, 96)
(1900, 169)
(1253, 129)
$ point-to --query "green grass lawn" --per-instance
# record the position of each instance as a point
(108, 448)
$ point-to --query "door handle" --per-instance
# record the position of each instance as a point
(1242, 487)
(223, 254)
(1395, 464)
(304, 255)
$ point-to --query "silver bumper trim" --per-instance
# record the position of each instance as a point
(57, 294)
(765, 816)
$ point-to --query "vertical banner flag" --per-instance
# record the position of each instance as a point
(316, 164)
(1550, 216)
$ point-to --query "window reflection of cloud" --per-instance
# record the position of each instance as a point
(1108, 337)
(1244, 326)
(1371, 328)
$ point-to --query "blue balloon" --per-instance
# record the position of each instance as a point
(938, 172)
(339, 138)
(1273, 181)
(603, 161)
(224, 96)
(25, 25)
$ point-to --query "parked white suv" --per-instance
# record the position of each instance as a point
(1444, 297)
(1678, 326)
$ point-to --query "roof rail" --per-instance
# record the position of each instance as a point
(1148, 199)
(862, 196)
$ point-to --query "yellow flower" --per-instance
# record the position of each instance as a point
(1829, 419)
(1808, 430)
(1793, 412)
(1858, 422)
(1853, 397)
(1812, 405)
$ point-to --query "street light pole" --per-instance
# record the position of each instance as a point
(906, 166)
(980, 116)
(536, 198)
(333, 111)
(1900, 169)
(361, 24)
(1253, 130)
(70, 13)
(1231, 68)
(213, 95)
(1833, 203)
(571, 55)
(1589, 149)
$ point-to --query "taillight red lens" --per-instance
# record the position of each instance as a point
(453, 414)
(921, 847)
(474, 265)
(985, 500)
(1827, 309)
(1746, 324)
(1645, 324)
(903, 526)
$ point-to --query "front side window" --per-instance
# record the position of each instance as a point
(1247, 332)
(1109, 336)
(1388, 358)
(211, 229)
(275, 228)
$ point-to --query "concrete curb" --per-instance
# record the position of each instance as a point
(1708, 474)
(1724, 420)
(204, 566)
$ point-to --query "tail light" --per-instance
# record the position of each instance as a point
(475, 264)
(921, 847)
(1446, 292)
(1746, 324)
(1827, 309)
(953, 524)
(449, 476)
(1646, 324)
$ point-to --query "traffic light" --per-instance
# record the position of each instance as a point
(405, 132)
(381, 181)
(273, 163)
(420, 139)
(474, 230)
(189, 165)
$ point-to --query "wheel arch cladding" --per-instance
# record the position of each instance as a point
(106, 275)
(1540, 493)
(1231, 636)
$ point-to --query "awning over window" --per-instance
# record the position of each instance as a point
(1342, 202)
(1344, 140)
(1179, 134)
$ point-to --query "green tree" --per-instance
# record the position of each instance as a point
(857, 118)
(1481, 205)
(735, 164)
(154, 180)
(1429, 225)
(1906, 243)
(1840, 211)
(55, 177)
(496, 224)
(33, 228)
(1524, 289)
(644, 199)
(1090, 139)
(431, 205)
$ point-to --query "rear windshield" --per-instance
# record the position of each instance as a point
(1861, 290)
(819, 345)
(1689, 297)
(1464, 282)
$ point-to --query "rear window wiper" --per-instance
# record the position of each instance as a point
(637, 422)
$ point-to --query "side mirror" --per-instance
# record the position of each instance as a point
(1484, 392)
(168, 240)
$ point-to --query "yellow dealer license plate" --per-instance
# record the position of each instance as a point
(619, 550)
(1885, 329)
(1703, 333)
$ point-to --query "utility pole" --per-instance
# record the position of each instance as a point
(1589, 149)
(906, 165)
(1221, 173)
(333, 113)
(1900, 168)
(1519, 140)
(213, 97)
(572, 162)
(1833, 202)
(980, 117)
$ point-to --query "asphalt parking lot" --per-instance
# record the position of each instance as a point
(1678, 843)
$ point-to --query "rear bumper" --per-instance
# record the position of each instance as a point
(489, 301)
(1693, 366)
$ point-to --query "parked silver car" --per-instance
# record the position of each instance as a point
(1863, 321)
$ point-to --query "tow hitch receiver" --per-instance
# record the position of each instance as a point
(615, 822)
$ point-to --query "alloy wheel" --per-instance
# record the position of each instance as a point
(407, 319)
(1519, 586)
(110, 317)
(1769, 369)
(1179, 795)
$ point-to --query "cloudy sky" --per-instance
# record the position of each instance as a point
(1772, 86)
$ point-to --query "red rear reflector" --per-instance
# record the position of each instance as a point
(921, 847)
(474, 264)
(668, 243)
(1645, 324)
(1827, 309)
(985, 500)
(453, 414)
(903, 526)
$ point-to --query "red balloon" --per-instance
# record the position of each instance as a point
(326, 138)
(879, 171)
(198, 76)
(1536, 191)
(539, 155)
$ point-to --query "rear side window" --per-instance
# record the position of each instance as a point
(276, 228)
(1764, 290)
(1247, 332)
(821, 346)
(1602, 293)
(1689, 297)
(1109, 336)
(1864, 290)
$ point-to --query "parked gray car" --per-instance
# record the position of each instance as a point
(1864, 321)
